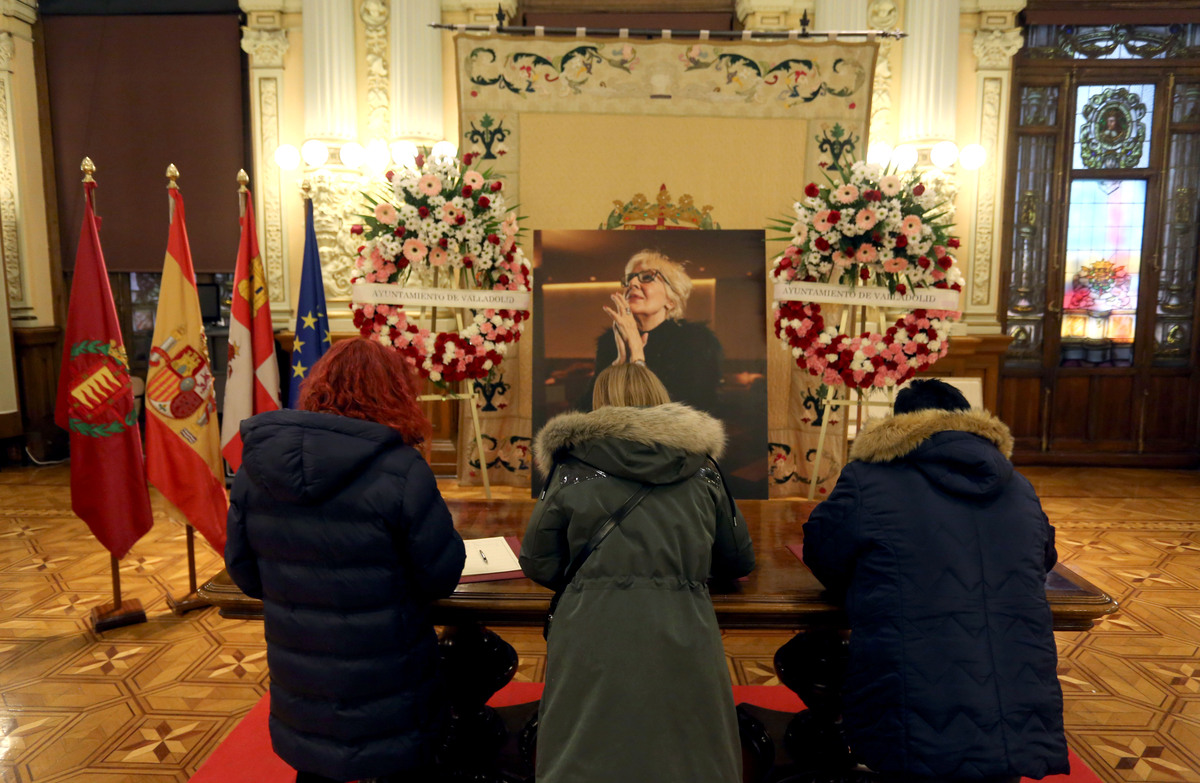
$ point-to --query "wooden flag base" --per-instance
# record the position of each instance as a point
(106, 616)
(187, 603)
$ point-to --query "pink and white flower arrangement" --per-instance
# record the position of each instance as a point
(877, 228)
(441, 224)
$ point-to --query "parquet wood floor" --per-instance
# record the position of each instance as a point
(149, 702)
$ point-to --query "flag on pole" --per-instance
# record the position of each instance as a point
(183, 444)
(252, 381)
(312, 326)
(95, 403)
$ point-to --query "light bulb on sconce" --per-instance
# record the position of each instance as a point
(943, 154)
(880, 152)
(904, 157)
(287, 157)
(404, 153)
(314, 152)
(972, 157)
(444, 149)
(352, 154)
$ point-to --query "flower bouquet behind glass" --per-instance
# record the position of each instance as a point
(868, 227)
(441, 225)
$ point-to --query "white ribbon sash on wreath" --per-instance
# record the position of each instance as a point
(474, 299)
(831, 293)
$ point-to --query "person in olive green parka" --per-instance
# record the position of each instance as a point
(637, 687)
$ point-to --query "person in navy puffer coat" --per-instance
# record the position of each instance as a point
(940, 550)
(336, 522)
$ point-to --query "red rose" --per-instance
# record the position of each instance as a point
(902, 241)
(399, 231)
(811, 190)
(466, 191)
(390, 174)
(918, 190)
(468, 262)
(502, 279)
(875, 237)
(834, 216)
(495, 240)
(901, 289)
(468, 158)
(356, 228)
(484, 202)
(496, 186)
(423, 211)
(878, 361)
(420, 160)
(957, 286)
(945, 262)
(821, 244)
(864, 273)
(872, 195)
(923, 262)
(460, 220)
(952, 242)
(443, 243)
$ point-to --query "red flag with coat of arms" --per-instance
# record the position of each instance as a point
(183, 442)
(95, 404)
(252, 383)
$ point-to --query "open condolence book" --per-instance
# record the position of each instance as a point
(490, 556)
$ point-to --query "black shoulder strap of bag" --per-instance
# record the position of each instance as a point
(725, 484)
(603, 531)
(577, 562)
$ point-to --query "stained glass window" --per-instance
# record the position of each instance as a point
(1103, 265)
(1113, 42)
(1112, 126)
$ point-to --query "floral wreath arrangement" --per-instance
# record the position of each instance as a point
(874, 227)
(441, 224)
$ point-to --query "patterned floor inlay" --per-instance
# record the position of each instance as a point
(149, 702)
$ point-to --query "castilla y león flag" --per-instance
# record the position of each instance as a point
(252, 383)
(95, 403)
(183, 442)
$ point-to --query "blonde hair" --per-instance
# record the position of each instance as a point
(629, 386)
(679, 285)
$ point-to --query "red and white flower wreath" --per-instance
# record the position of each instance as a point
(443, 217)
(875, 228)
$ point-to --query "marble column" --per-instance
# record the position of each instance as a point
(884, 15)
(840, 15)
(330, 83)
(416, 79)
(929, 72)
(265, 40)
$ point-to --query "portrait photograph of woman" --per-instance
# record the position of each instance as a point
(690, 305)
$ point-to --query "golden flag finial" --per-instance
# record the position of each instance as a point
(243, 178)
(172, 174)
(88, 168)
(306, 189)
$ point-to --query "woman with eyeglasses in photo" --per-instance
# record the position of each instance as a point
(649, 328)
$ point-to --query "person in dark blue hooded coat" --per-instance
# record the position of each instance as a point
(940, 550)
(336, 523)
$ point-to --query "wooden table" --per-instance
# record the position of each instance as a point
(781, 593)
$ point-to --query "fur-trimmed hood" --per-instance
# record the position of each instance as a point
(944, 446)
(633, 441)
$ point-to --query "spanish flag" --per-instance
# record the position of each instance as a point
(252, 383)
(183, 441)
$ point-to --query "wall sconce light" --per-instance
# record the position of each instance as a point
(314, 153)
(404, 154)
(352, 154)
(972, 156)
(880, 152)
(904, 157)
(943, 154)
(444, 149)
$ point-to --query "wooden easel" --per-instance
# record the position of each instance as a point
(467, 393)
(829, 400)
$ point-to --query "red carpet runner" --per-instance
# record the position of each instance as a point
(246, 757)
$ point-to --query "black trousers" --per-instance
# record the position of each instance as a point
(413, 776)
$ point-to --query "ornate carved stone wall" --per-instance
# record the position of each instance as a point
(267, 43)
(994, 50)
(14, 273)
(883, 15)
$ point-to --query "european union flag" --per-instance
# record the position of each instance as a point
(312, 326)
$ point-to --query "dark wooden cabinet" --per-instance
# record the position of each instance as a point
(1100, 284)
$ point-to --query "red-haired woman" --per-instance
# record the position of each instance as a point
(336, 523)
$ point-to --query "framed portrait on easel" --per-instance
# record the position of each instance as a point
(699, 301)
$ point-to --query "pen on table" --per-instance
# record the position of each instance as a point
(481, 554)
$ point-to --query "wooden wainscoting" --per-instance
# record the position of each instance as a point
(39, 354)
